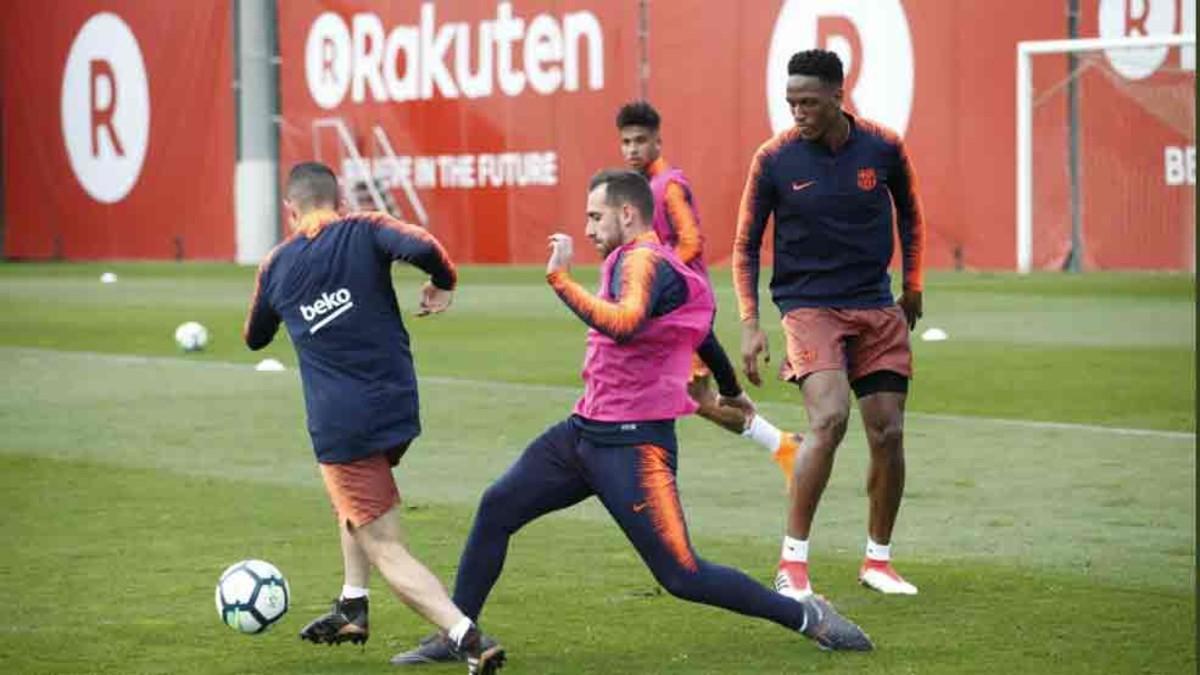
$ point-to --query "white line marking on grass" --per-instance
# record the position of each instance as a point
(578, 390)
(1061, 426)
(198, 360)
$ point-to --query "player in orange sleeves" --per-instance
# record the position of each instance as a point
(329, 285)
(839, 188)
(677, 223)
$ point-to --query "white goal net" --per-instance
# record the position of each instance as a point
(1106, 154)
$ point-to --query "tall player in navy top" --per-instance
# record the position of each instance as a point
(836, 185)
(330, 284)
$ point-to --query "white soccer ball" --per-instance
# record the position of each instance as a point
(252, 595)
(191, 336)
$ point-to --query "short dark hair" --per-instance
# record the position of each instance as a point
(638, 114)
(625, 187)
(312, 184)
(824, 65)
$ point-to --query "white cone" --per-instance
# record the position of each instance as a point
(108, 278)
(269, 366)
(934, 335)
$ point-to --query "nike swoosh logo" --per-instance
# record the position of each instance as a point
(796, 187)
(639, 507)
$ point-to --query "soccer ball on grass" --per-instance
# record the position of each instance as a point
(191, 336)
(252, 595)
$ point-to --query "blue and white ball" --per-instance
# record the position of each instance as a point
(252, 595)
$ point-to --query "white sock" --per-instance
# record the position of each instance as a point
(459, 630)
(794, 550)
(352, 592)
(764, 433)
(882, 552)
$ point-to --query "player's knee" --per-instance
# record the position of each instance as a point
(496, 508)
(886, 438)
(829, 425)
(680, 583)
(383, 552)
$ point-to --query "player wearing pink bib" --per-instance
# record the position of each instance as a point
(650, 315)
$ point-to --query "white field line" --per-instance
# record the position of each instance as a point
(575, 391)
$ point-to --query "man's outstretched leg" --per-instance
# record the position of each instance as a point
(545, 478)
(637, 486)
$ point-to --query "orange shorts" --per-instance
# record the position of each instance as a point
(364, 489)
(859, 341)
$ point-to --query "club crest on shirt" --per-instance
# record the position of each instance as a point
(866, 179)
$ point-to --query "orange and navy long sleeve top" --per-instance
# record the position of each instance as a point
(643, 286)
(834, 213)
(680, 210)
(330, 285)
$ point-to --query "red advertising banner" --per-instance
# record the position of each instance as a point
(481, 120)
(496, 113)
(118, 129)
(1137, 152)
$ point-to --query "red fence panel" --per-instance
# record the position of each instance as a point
(495, 113)
(118, 127)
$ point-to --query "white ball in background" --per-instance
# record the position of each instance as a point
(191, 336)
(108, 278)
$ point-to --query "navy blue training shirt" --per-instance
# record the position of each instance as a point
(330, 283)
(836, 214)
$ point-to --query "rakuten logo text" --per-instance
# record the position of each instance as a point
(452, 60)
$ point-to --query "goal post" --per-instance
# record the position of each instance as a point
(1025, 95)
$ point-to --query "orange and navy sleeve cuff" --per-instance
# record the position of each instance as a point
(910, 222)
(753, 212)
(682, 214)
(620, 319)
(261, 320)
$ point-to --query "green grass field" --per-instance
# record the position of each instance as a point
(1049, 518)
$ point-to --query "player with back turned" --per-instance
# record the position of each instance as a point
(330, 284)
